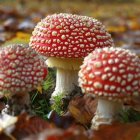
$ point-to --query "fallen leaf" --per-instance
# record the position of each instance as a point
(26, 26)
(118, 131)
(20, 37)
(116, 29)
(133, 24)
(58, 134)
(4, 137)
(39, 88)
(83, 108)
(64, 121)
(134, 103)
(29, 125)
(11, 24)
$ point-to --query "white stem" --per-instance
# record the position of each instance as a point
(106, 112)
(65, 81)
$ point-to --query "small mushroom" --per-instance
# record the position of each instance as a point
(66, 39)
(21, 70)
(112, 75)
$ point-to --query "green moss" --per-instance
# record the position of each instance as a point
(40, 102)
(40, 105)
(129, 115)
(49, 83)
(58, 104)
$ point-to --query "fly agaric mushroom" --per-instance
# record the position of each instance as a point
(112, 75)
(21, 70)
(66, 39)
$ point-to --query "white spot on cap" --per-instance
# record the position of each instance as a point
(116, 60)
(135, 83)
(104, 77)
(118, 79)
(97, 73)
(54, 33)
(98, 64)
(111, 61)
(12, 56)
(82, 45)
(90, 82)
(107, 69)
(98, 85)
(128, 88)
(104, 56)
(88, 68)
(106, 87)
(2, 76)
(118, 89)
(122, 70)
(112, 78)
(114, 69)
(121, 66)
(63, 37)
(91, 75)
(112, 88)
(123, 83)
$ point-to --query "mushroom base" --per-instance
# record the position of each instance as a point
(17, 104)
(65, 82)
(107, 112)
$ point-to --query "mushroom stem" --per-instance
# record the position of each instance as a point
(107, 112)
(65, 81)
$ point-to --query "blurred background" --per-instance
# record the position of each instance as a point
(121, 18)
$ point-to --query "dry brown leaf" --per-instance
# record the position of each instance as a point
(64, 121)
(118, 131)
(2, 105)
(83, 108)
(134, 103)
(4, 137)
(73, 133)
(27, 125)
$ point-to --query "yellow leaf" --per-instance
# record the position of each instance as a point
(20, 37)
(39, 88)
(116, 29)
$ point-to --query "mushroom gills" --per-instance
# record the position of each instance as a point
(64, 63)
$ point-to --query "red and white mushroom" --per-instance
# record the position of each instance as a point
(21, 70)
(66, 39)
(112, 75)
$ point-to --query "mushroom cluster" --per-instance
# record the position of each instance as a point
(112, 75)
(66, 39)
(21, 70)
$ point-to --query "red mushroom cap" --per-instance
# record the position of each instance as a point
(69, 36)
(21, 69)
(110, 72)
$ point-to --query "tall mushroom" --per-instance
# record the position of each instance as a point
(112, 75)
(66, 39)
(21, 70)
